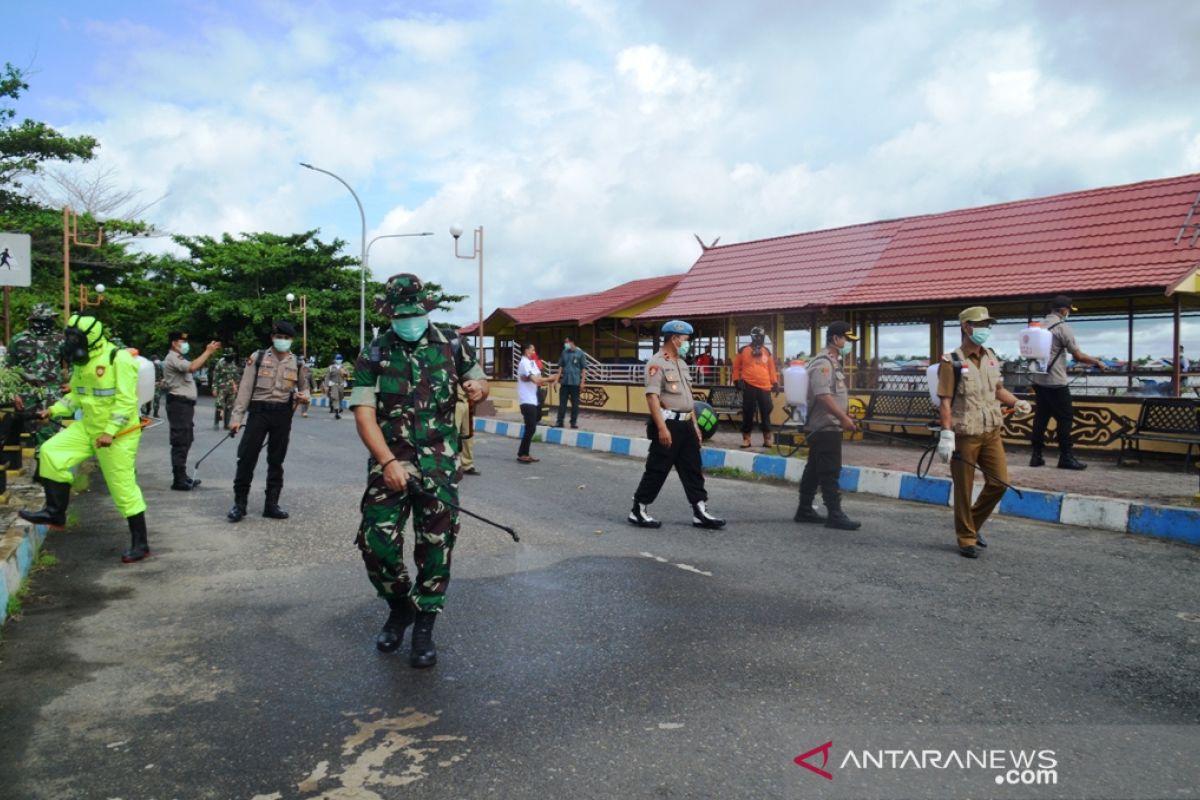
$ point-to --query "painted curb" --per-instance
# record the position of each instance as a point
(1104, 513)
(18, 564)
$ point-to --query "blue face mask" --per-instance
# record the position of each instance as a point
(184, 347)
(980, 335)
(684, 349)
(411, 329)
(846, 348)
(282, 345)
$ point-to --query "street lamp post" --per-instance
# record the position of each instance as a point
(303, 321)
(71, 236)
(477, 251)
(85, 301)
(362, 284)
(392, 236)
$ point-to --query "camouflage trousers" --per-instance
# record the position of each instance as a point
(381, 539)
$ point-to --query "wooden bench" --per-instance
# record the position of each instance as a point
(1168, 419)
(726, 401)
(899, 409)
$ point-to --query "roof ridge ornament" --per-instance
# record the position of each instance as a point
(707, 247)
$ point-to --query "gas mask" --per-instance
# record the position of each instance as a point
(76, 346)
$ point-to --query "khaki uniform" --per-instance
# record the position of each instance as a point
(978, 425)
(668, 378)
(824, 431)
(466, 434)
(267, 391)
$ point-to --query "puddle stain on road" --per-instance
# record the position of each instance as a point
(382, 752)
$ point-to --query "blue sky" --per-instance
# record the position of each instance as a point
(592, 138)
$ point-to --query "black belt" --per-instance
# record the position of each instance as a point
(178, 398)
(270, 405)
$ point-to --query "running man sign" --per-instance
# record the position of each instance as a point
(15, 251)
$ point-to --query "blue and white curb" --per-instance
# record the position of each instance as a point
(323, 402)
(1104, 513)
(17, 565)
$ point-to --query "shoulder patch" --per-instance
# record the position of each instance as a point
(653, 370)
(824, 370)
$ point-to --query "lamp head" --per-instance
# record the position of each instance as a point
(290, 297)
(100, 288)
(456, 231)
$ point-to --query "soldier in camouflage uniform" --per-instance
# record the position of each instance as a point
(225, 389)
(404, 392)
(37, 353)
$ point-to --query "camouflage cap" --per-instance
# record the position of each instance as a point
(42, 311)
(405, 296)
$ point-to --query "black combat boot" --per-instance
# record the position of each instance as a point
(139, 547)
(424, 653)
(641, 517)
(702, 519)
(400, 617)
(1071, 462)
(238, 512)
(54, 513)
(805, 511)
(182, 482)
(1035, 458)
(271, 509)
(837, 518)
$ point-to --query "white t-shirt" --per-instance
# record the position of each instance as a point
(527, 390)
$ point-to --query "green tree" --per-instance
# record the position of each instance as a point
(25, 146)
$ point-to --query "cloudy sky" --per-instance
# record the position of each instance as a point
(592, 138)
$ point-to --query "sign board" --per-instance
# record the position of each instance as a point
(15, 252)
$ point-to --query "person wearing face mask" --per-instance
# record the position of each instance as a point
(179, 385)
(103, 386)
(336, 378)
(404, 397)
(971, 390)
(35, 353)
(674, 437)
(828, 417)
(272, 383)
(755, 374)
(572, 377)
(1051, 391)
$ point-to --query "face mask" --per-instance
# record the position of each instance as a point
(569, 346)
(846, 348)
(410, 329)
(282, 345)
(684, 349)
(184, 347)
(980, 335)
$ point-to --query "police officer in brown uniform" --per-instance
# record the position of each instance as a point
(971, 390)
(179, 385)
(828, 417)
(273, 382)
(674, 437)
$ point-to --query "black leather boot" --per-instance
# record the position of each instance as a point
(641, 517)
(805, 511)
(400, 617)
(837, 518)
(702, 519)
(54, 513)
(424, 653)
(182, 483)
(238, 512)
(139, 547)
(1071, 462)
(271, 509)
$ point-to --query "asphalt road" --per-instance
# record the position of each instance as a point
(593, 660)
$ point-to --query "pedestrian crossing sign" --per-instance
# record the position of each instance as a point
(15, 252)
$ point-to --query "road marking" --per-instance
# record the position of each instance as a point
(684, 567)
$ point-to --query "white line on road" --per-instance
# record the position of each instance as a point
(684, 567)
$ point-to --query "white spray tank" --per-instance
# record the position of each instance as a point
(1034, 345)
(145, 378)
(795, 389)
(931, 378)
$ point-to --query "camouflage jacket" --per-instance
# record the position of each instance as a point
(38, 357)
(413, 389)
(225, 379)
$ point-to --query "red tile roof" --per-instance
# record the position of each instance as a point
(1119, 237)
(583, 309)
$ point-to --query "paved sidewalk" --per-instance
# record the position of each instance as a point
(1156, 482)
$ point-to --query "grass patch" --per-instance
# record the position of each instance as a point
(46, 560)
(743, 475)
(16, 601)
(537, 437)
